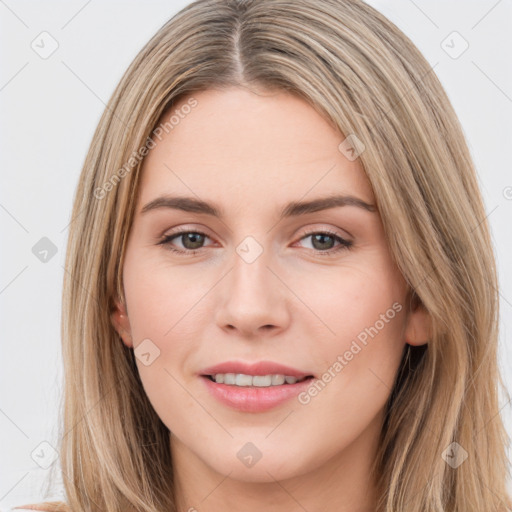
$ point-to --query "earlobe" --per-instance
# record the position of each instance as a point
(418, 330)
(121, 323)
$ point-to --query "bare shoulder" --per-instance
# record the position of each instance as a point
(49, 506)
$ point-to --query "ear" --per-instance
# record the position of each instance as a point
(121, 323)
(418, 329)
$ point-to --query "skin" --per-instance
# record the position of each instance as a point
(251, 154)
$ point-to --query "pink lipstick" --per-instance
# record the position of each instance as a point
(254, 387)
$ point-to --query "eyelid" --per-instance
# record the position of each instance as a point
(185, 229)
(326, 229)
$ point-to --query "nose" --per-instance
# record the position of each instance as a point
(253, 301)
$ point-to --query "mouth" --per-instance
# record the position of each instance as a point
(255, 381)
(254, 393)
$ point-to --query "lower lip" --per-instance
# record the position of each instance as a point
(254, 399)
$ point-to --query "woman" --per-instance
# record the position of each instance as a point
(281, 288)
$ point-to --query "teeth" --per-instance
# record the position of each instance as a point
(277, 380)
(243, 380)
(229, 378)
(260, 381)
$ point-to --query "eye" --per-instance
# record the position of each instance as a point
(322, 242)
(192, 242)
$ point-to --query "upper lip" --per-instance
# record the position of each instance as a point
(257, 368)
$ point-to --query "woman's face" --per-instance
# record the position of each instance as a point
(223, 266)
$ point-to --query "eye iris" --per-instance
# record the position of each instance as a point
(321, 237)
(196, 238)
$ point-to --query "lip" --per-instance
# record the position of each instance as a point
(258, 368)
(254, 399)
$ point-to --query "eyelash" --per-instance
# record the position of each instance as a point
(344, 244)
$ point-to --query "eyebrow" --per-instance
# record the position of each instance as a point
(293, 209)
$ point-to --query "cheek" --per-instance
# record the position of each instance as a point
(160, 311)
(161, 299)
(360, 338)
(349, 302)
(166, 314)
(356, 375)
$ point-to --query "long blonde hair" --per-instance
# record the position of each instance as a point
(366, 77)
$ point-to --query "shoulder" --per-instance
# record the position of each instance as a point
(49, 506)
(23, 508)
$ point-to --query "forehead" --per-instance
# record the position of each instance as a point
(235, 144)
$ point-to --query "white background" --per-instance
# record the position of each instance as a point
(49, 110)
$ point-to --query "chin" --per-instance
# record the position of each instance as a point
(245, 463)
